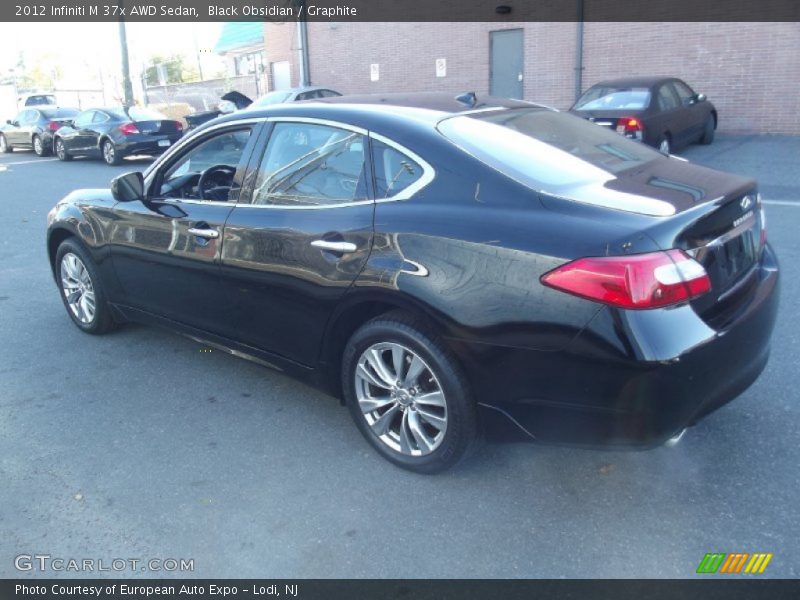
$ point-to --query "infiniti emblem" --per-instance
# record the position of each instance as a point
(745, 202)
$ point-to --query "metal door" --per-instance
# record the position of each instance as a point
(507, 63)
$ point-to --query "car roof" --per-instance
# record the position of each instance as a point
(390, 114)
(643, 81)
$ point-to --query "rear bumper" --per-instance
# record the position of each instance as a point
(630, 378)
(145, 144)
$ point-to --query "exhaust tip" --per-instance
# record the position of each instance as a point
(673, 441)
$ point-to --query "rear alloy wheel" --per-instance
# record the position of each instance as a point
(38, 146)
(4, 147)
(110, 154)
(407, 394)
(81, 289)
(664, 146)
(61, 150)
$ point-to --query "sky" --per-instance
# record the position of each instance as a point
(89, 47)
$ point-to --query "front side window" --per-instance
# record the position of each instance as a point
(311, 165)
(666, 98)
(394, 171)
(207, 170)
(683, 91)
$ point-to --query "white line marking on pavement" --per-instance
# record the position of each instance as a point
(28, 162)
(795, 203)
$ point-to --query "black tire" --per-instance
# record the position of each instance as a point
(102, 321)
(5, 147)
(39, 147)
(61, 150)
(709, 130)
(110, 155)
(460, 435)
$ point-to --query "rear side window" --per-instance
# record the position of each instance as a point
(311, 165)
(394, 171)
(83, 119)
(545, 149)
(608, 98)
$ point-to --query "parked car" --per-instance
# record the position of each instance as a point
(33, 128)
(295, 95)
(516, 271)
(233, 101)
(114, 133)
(662, 112)
(37, 100)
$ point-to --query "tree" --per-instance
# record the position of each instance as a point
(176, 70)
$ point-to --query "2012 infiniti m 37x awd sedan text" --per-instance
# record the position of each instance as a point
(448, 267)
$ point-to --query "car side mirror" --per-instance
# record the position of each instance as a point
(128, 187)
(8, 122)
(700, 97)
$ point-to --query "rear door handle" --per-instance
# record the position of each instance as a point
(209, 234)
(342, 247)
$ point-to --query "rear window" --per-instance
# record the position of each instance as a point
(608, 98)
(136, 113)
(40, 100)
(272, 98)
(545, 149)
(59, 113)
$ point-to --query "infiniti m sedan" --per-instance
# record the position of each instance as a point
(449, 268)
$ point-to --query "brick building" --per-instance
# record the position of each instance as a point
(751, 71)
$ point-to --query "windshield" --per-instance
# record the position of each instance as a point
(614, 98)
(40, 100)
(554, 152)
(272, 98)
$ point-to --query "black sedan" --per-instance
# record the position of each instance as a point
(33, 128)
(662, 112)
(114, 133)
(448, 267)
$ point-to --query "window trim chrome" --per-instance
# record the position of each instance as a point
(428, 172)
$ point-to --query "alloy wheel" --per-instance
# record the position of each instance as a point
(76, 284)
(401, 399)
(663, 147)
(3, 143)
(60, 150)
(108, 152)
(37, 145)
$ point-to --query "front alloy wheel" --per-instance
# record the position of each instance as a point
(61, 150)
(76, 283)
(663, 147)
(402, 401)
(38, 147)
(81, 288)
(110, 154)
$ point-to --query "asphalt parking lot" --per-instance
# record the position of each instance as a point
(139, 445)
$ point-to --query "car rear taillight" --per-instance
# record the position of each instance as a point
(630, 127)
(128, 129)
(178, 125)
(54, 125)
(638, 281)
(763, 217)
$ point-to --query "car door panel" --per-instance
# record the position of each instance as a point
(291, 264)
(166, 251)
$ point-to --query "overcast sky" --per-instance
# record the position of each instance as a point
(96, 45)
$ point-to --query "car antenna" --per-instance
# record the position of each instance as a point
(468, 98)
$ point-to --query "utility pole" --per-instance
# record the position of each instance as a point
(127, 87)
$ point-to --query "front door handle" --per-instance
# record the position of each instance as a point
(209, 234)
(342, 247)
